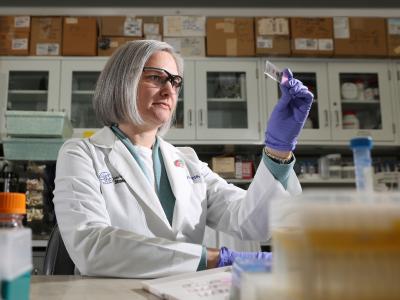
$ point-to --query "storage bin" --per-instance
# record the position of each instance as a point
(31, 149)
(37, 124)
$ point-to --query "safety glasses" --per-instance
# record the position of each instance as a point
(158, 77)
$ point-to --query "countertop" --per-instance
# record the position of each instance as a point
(60, 287)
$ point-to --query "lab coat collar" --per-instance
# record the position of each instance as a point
(104, 138)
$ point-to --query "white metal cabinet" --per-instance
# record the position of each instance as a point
(219, 102)
(340, 87)
(78, 81)
(28, 84)
(184, 125)
(364, 90)
(314, 76)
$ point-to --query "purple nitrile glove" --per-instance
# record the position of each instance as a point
(227, 256)
(289, 115)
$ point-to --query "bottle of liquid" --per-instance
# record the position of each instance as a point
(15, 248)
(361, 147)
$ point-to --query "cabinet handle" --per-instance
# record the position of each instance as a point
(190, 117)
(326, 118)
(337, 118)
(201, 117)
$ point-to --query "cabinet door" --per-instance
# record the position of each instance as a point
(29, 84)
(361, 103)
(227, 100)
(183, 127)
(78, 81)
(314, 76)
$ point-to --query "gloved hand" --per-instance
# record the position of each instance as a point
(289, 115)
(227, 256)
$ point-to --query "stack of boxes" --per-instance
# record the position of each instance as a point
(116, 31)
(186, 34)
(194, 36)
(14, 35)
(46, 36)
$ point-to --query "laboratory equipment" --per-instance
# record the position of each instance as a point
(273, 72)
(331, 245)
(361, 147)
(15, 248)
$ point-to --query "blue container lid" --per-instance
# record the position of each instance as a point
(364, 141)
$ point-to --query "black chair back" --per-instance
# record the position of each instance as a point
(57, 260)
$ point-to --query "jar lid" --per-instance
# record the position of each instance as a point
(12, 203)
(357, 142)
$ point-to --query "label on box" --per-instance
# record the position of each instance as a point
(263, 42)
(238, 170)
(114, 44)
(19, 44)
(47, 49)
(151, 28)
(22, 21)
(394, 26)
(306, 44)
(271, 26)
(71, 20)
(231, 47)
(184, 25)
(175, 43)
(156, 37)
(325, 44)
(228, 26)
(133, 26)
(341, 29)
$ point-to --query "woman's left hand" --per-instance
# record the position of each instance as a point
(289, 115)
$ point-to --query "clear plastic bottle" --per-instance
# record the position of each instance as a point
(15, 248)
(361, 147)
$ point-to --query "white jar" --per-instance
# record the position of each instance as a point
(350, 120)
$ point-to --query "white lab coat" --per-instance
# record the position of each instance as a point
(113, 224)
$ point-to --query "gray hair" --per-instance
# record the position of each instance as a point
(115, 97)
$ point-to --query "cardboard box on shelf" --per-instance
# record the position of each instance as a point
(20, 24)
(272, 36)
(121, 26)
(357, 36)
(393, 37)
(79, 36)
(46, 36)
(152, 26)
(178, 26)
(108, 44)
(224, 166)
(230, 37)
(188, 46)
(312, 36)
(16, 43)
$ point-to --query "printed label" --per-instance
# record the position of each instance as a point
(184, 25)
(263, 42)
(71, 20)
(325, 44)
(394, 26)
(133, 26)
(19, 44)
(271, 26)
(48, 49)
(22, 22)
(341, 28)
(306, 44)
(151, 28)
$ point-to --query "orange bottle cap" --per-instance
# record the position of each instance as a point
(12, 203)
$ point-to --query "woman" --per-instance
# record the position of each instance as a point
(129, 204)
